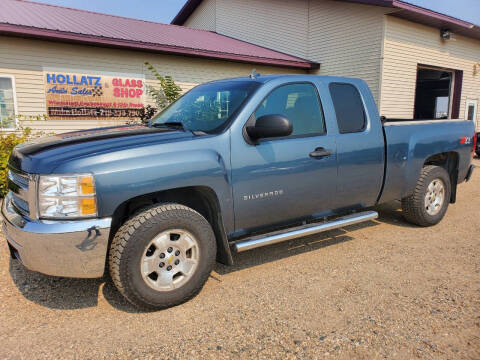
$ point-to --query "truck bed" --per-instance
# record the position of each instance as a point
(410, 142)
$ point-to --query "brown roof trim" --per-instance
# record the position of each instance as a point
(413, 13)
(185, 12)
(430, 13)
(61, 36)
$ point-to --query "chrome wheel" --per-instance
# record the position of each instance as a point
(435, 197)
(169, 260)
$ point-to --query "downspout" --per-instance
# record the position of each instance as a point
(382, 56)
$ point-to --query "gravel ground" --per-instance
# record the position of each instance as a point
(383, 289)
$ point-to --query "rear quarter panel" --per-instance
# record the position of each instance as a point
(410, 144)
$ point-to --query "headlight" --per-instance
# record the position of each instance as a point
(67, 196)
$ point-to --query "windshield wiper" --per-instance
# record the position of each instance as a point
(170, 124)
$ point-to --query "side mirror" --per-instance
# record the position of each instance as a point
(270, 126)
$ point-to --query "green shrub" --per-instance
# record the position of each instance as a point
(167, 92)
(164, 92)
(7, 142)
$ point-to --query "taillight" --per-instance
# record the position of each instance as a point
(474, 143)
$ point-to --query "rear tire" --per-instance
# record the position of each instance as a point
(429, 202)
(162, 256)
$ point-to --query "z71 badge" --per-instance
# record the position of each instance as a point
(466, 140)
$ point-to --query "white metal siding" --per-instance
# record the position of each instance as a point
(204, 16)
(346, 39)
(25, 59)
(277, 24)
(408, 44)
(353, 40)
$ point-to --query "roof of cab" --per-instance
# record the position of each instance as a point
(263, 79)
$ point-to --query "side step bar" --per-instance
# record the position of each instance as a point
(310, 229)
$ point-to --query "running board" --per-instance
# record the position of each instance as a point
(310, 229)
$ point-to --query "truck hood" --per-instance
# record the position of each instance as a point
(43, 155)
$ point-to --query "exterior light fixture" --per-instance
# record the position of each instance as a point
(476, 68)
(446, 34)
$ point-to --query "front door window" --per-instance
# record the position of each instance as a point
(300, 104)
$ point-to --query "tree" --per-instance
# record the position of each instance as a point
(166, 92)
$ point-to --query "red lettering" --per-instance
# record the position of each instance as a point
(127, 93)
(117, 82)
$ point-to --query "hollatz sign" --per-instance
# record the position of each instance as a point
(86, 96)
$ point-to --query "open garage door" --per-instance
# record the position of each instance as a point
(437, 94)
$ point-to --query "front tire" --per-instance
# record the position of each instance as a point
(429, 202)
(162, 256)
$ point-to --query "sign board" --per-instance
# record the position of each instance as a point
(86, 96)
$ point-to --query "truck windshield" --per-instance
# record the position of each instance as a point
(209, 107)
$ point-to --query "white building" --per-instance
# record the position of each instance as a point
(418, 63)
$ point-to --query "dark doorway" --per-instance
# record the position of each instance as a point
(433, 93)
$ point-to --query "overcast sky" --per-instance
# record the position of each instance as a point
(165, 10)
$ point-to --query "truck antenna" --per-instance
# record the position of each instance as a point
(254, 74)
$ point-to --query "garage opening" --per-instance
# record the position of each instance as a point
(433, 93)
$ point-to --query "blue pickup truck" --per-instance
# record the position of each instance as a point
(232, 165)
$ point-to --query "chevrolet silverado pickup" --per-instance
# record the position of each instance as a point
(231, 166)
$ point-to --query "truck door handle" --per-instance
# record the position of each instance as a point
(320, 152)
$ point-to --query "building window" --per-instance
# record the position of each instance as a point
(471, 110)
(441, 107)
(348, 108)
(7, 103)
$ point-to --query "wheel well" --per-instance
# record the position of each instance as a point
(449, 161)
(200, 198)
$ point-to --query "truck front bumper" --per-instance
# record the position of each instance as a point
(60, 248)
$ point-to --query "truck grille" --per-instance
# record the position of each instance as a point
(18, 184)
(20, 204)
(19, 179)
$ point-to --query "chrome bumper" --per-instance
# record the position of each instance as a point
(60, 248)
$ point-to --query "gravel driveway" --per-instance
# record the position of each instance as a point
(383, 289)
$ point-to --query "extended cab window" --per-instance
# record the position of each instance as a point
(348, 108)
(299, 103)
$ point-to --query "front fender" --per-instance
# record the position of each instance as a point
(182, 169)
(129, 173)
